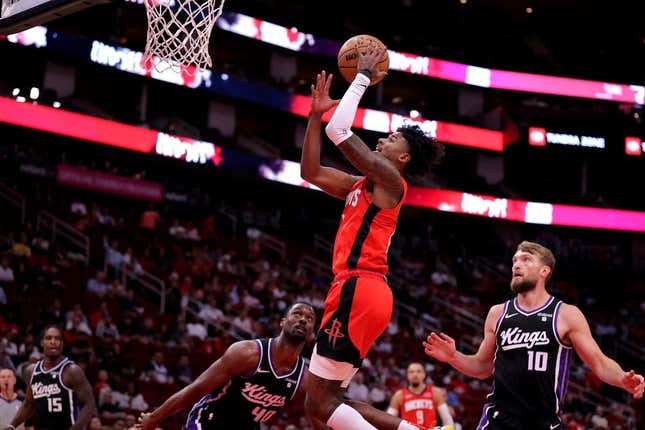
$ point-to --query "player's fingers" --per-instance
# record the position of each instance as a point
(446, 338)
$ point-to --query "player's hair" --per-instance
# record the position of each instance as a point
(544, 253)
(415, 362)
(425, 151)
(47, 327)
(300, 302)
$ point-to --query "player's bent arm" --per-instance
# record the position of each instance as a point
(372, 164)
(241, 358)
(74, 378)
(330, 180)
(576, 330)
(395, 403)
(439, 395)
(28, 407)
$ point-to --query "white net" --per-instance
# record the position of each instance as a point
(179, 32)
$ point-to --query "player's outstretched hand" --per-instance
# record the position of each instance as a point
(634, 384)
(320, 100)
(440, 347)
(370, 58)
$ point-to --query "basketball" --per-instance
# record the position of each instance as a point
(348, 57)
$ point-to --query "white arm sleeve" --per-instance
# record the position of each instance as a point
(339, 128)
(444, 413)
(393, 411)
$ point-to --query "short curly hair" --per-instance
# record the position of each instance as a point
(425, 151)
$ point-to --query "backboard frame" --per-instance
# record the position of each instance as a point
(30, 13)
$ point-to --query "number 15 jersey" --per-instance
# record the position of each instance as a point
(531, 361)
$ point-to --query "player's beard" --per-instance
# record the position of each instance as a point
(296, 337)
(523, 284)
(415, 384)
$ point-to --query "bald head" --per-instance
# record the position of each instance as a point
(7, 380)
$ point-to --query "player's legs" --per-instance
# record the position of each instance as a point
(357, 311)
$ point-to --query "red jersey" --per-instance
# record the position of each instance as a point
(365, 231)
(419, 408)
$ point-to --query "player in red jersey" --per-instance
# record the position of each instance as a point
(419, 403)
(359, 304)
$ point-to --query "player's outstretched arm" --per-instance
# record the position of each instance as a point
(441, 398)
(241, 358)
(372, 164)
(576, 329)
(330, 180)
(75, 378)
(27, 408)
(395, 403)
(479, 365)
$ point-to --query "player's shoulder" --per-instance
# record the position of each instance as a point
(496, 311)
(570, 312)
(28, 370)
(244, 351)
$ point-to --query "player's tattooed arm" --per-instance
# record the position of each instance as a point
(74, 377)
(375, 166)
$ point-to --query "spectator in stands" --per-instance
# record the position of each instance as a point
(97, 284)
(108, 408)
(599, 419)
(183, 372)
(244, 322)
(106, 329)
(378, 395)
(357, 390)
(113, 256)
(156, 371)
(195, 328)
(95, 424)
(6, 272)
(210, 313)
(54, 313)
(20, 247)
(150, 220)
(102, 381)
(177, 230)
(135, 398)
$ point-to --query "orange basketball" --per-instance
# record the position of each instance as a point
(348, 57)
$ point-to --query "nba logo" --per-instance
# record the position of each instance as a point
(537, 136)
(633, 146)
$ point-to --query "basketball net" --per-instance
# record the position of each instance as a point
(178, 33)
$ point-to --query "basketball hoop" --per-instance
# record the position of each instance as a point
(178, 33)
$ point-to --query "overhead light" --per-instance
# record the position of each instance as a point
(21, 99)
(15, 92)
(529, 10)
(463, 1)
(224, 76)
(414, 113)
(34, 93)
(56, 104)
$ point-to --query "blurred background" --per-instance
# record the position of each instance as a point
(159, 217)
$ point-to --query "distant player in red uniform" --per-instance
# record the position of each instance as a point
(419, 403)
(359, 304)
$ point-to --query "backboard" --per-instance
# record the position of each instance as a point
(19, 15)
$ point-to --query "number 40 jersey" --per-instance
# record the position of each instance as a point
(244, 403)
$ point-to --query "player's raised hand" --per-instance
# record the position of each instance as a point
(440, 347)
(634, 384)
(320, 100)
(369, 59)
